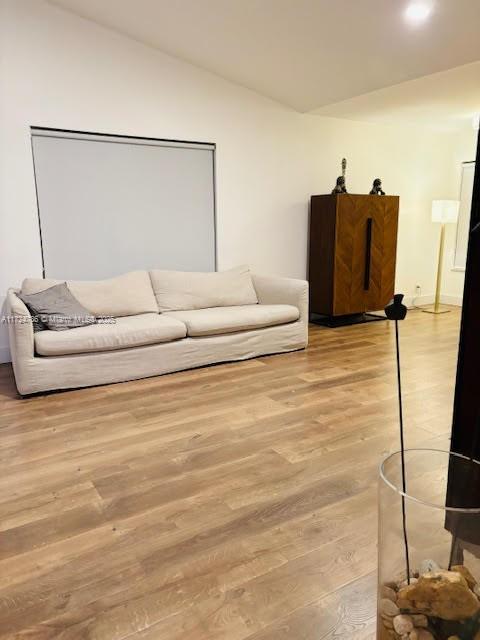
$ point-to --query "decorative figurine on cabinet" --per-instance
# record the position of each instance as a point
(340, 186)
(377, 188)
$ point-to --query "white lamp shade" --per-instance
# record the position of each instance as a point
(445, 211)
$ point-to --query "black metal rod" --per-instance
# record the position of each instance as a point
(402, 449)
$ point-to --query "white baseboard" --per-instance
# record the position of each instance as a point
(457, 301)
(420, 301)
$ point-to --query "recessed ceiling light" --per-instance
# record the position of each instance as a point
(418, 12)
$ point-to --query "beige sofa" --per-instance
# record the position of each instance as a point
(162, 322)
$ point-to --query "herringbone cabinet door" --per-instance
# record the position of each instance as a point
(349, 293)
(365, 253)
(384, 211)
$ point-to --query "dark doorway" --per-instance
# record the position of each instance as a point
(466, 413)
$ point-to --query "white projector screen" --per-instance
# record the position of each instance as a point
(111, 204)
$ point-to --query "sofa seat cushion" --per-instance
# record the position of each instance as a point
(131, 331)
(218, 320)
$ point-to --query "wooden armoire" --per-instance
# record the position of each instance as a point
(352, 254)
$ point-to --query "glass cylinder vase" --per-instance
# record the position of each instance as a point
(429, 547)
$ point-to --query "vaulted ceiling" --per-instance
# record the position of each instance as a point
(305, 53)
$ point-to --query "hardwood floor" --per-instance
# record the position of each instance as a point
(234, 502)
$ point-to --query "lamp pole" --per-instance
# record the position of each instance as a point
(436, 307)
(439, 269)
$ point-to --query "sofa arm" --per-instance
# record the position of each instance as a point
(20, 327)
(276, 290)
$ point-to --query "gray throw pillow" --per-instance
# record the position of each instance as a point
(57, 308)
(37, 323)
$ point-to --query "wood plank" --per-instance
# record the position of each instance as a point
(235, 502)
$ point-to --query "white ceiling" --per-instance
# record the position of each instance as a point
(309, 53)
(446, 100)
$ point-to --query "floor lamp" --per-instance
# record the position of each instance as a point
(444, 212)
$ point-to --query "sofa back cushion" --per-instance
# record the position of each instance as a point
(126, 295)
(185, 290)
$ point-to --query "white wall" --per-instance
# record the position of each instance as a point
(416, 164)
(61, 71)
(464, 150)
